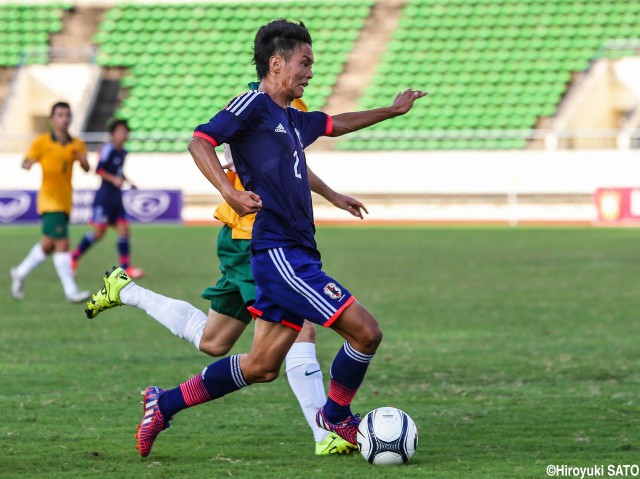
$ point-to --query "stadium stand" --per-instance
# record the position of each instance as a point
(490, 65)
(187, 60)
(27, 28)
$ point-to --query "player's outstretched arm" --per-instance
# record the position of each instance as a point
(242, 202)
(349, 122)
(339, 200)
(27, 164)
(84, 163)
(116, 181)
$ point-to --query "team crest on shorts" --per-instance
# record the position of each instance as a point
(333, 291)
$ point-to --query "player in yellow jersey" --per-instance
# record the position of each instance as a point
(228, 317)
(55, 152)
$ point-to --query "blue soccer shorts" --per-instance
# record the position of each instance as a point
(108, 213)
(292, 287)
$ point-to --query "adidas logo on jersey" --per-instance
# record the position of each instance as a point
(280, 128)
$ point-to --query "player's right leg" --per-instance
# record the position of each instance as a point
(293, 278)
(181, 318)
(123, 245)
(88, 240)
(36, 256)
(62, 263)
(270, 345)
(363, 336)
(214, 334)
(220, 334)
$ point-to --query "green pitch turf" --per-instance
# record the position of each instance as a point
(511, 349)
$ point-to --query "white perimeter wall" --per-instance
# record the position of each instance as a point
(415, 173)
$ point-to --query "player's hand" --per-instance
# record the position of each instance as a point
(244, 202)
(117, 182)
(229, 166)
(404, 100)
(26, 164)
(132, 186)
(349, 204)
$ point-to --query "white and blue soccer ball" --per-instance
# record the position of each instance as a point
(387, 436)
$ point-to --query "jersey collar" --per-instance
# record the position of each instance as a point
(55, 139)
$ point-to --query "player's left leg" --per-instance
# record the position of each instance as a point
(62, 261)
(36, 256)
(88, 240)
(124, 247)
(270, 345)
(305, 378)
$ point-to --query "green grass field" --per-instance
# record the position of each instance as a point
(510, 348)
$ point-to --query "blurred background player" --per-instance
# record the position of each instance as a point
(55, 151)
(108, 209)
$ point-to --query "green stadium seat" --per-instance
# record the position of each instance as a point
(491, 65)
(182, 70)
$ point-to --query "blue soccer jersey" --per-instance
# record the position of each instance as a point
(267, 143)
(111, 161)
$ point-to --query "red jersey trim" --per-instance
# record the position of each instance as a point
(199, 134)
(329, 128)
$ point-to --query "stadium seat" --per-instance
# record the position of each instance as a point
(182, 70)
(496, 64)
(26, 29)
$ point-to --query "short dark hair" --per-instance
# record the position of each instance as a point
(60, 104)
(279, 37)
(113, 124)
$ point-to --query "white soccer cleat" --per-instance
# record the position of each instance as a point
(78, 297)
(17, 285)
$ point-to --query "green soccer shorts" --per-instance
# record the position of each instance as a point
(236, 289)
(55, 225)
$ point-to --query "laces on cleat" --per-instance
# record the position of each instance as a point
(346, 429)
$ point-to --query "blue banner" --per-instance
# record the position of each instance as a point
(142, 206)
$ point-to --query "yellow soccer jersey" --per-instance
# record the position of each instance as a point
(242, 226)
(56, 160)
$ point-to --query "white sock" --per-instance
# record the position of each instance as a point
(34, 259)
(179, 317)
(305, 378)
(62, 262)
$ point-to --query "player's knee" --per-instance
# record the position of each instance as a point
(214, 349)
(374, 336)
(98, 233)
(261, 374)
(370, 339)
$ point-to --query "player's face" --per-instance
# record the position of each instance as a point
(120, 134)
(296, 73)
(61, 119)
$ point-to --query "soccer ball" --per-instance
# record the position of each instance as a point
(387, 436)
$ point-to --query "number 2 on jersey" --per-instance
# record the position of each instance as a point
(295, 165)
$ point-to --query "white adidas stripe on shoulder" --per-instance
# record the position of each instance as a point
(236, 100)
(241, 102)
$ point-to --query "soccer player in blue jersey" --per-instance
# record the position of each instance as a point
(267, 139)
(108, 209)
